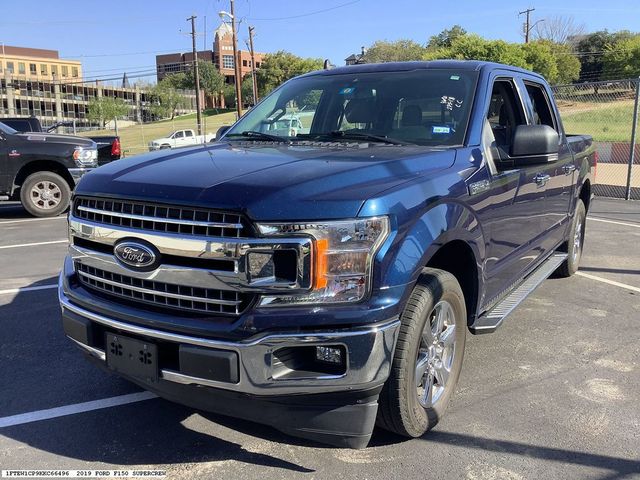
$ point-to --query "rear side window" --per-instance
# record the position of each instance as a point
(542, 113)
(188, 133)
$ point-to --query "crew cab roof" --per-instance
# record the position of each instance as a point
(473, 65)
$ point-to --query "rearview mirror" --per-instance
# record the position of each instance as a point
(534, 144)
(222, 130)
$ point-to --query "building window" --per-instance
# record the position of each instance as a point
(74, 72)
(257, 64)
(65, 71)
(21, 69)
(227, 61)
(10, 67)
(54, 69)
(33, 69)
(244, 63)
(44, 69)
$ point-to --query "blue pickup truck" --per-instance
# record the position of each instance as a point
(324, 282)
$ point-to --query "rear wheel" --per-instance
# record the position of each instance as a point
(45, 194)
(575, 242)
(428, 356)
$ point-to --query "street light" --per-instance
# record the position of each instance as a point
(236, 64)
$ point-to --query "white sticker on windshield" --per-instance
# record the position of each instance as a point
(436, 129)
(454, 77)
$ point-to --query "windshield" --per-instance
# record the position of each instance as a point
(422, 107)
(7, 129)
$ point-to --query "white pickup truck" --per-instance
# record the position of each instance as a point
(180, 138)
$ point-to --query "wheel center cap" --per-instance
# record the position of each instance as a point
(46, 195)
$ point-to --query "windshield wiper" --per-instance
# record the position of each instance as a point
(259, 136)
(367, 136)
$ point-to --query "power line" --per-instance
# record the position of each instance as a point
(304, 14)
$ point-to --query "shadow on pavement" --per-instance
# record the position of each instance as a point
(621, 467)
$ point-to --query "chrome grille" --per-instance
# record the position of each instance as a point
(159, 218)
(193, 299)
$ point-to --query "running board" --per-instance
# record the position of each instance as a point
(492, 319)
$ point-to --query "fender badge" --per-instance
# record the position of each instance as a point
(479, 187)
(14, 153)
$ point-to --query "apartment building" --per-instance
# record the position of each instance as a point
(37, 64)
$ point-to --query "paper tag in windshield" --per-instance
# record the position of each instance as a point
(436, 129)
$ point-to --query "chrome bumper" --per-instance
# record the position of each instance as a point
(369, 351)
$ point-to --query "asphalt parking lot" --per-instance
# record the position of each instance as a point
(554, 393)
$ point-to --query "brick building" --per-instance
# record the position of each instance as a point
(221, 55)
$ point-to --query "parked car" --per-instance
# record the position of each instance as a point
(109, 148)
(286, 125)
(180, 138)
(325, 282)
(42, 169)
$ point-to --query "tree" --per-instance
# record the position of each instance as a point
(622, 58)
(446, 37)
(105, 109)
(277, 68)
(558, 29)
(398, 51)
(165, 99)
(247, 90)
(211, 80)
(474, 47)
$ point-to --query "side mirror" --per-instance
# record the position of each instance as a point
(221, 131)
(533, 144)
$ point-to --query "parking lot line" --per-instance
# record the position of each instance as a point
(626, 224)
(62, 217)
(28, 289)
(38, 415)
(32, 244)
(610, 282)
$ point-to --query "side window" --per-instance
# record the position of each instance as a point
(505, 114)
(542, 114)
(179, 134)
(188, 133)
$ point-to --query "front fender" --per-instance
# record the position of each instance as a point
(413, 245)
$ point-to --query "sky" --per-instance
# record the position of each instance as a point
(125, 35)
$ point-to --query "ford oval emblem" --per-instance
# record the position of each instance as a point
(135, 255)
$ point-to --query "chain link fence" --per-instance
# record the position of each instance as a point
(606, 111)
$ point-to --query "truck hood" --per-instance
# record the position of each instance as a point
(49, 138)
(267, 182)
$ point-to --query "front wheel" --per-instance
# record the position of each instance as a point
(428, 356)
(45, 194)
(575, 242)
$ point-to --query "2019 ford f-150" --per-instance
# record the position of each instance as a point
(325, 282)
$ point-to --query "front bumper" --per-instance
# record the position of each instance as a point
(339, 409)
(77, 173)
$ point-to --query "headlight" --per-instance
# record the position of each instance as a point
(86, 156)
(343, 254)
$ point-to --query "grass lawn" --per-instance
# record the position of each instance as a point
(135, 139)
(606, 122)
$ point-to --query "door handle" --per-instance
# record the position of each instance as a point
(569, 169)
(541, 179)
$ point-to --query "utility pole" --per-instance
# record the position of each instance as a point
(236, 62)
(253, 66)
(527, 25)
(196, 73)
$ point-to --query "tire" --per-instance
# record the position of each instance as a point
(401, 410)
(45, 194)
(575, 242)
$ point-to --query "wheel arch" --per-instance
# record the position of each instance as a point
(41, 166)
